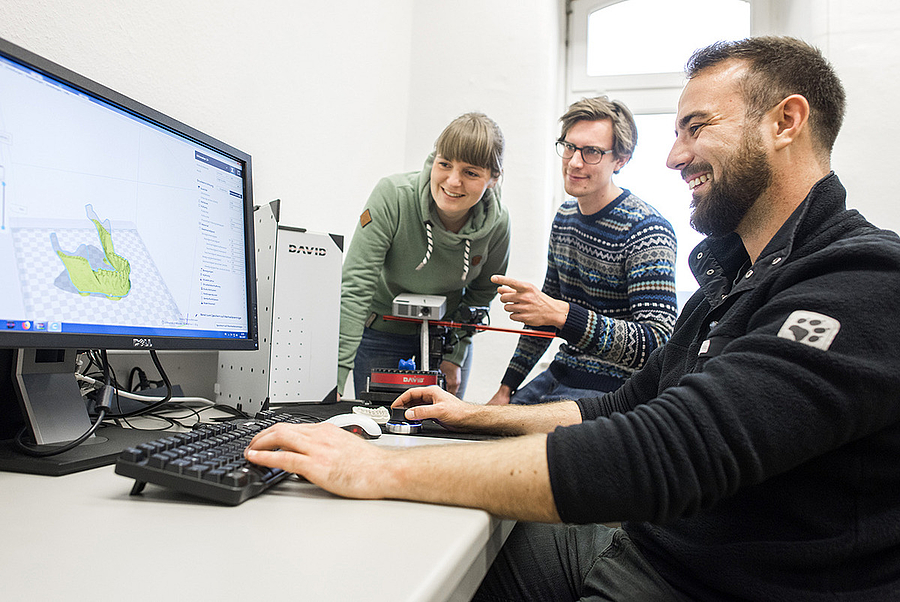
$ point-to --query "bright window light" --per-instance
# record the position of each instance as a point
(647, 176)
(656, 36)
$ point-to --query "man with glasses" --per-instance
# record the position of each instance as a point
(609, 291)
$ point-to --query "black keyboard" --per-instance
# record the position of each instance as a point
(207, 462)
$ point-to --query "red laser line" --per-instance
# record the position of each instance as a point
(530, 333)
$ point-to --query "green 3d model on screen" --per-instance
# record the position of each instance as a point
(112, 280)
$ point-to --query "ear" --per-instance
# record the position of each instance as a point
(791, 117)
(620, 163)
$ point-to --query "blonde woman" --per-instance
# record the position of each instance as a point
(438, 231)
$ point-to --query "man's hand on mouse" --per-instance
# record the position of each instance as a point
(437, 404)
(324, 454)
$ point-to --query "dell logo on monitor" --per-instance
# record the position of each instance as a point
(143, 343)
(306, 250)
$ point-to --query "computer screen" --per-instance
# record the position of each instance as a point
(120, 227)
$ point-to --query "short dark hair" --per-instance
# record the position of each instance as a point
(778, 68)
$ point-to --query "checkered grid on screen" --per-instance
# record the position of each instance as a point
(148, 303)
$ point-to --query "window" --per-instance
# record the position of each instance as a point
(647, 176)
(627, 37)
(635, 51)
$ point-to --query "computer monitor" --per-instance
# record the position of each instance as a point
(120, 228)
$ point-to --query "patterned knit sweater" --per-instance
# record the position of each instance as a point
(616, 268)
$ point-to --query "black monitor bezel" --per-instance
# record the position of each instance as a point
(51, 340)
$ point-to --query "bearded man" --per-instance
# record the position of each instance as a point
(754, 456)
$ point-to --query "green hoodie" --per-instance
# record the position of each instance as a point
(390, 242)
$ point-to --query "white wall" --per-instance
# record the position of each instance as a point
(859, 37)
(293, 84)
(502, 58)
(299, 84)
(329, 96)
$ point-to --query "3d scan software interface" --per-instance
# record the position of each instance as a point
(110, 224)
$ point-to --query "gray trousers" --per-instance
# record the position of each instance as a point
(544, 562)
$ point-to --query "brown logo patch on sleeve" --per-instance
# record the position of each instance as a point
(365, 219)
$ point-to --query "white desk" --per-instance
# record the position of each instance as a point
(82, 537)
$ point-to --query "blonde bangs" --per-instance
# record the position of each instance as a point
(475, 139)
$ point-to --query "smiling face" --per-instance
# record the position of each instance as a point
(591, 184)
(719, 152)
(456, 187)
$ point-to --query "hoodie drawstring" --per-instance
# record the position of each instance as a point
(429, 239)
(429, 246)
(466, 259)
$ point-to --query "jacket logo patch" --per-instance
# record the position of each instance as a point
(810, 328)
(476, 260)
(365, 219)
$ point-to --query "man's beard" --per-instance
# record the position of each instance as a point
(745, 176)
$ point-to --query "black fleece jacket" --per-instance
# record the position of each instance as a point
(757, 454)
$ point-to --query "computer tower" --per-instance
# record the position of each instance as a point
(299, 295)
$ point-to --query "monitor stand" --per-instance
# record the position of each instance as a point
(49, 394)
(38, 388)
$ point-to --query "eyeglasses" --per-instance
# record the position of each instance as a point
(589, 154)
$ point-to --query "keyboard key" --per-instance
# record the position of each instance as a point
(133, 454)
(237, 478)
(196, 471)
(178, 465)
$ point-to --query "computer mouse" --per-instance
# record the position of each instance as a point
(358, 424)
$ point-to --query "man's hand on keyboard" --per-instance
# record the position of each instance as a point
(512, 474)
(324, 454)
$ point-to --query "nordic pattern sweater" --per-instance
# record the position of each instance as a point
(616, 268)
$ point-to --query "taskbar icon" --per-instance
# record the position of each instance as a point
(27, 325)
